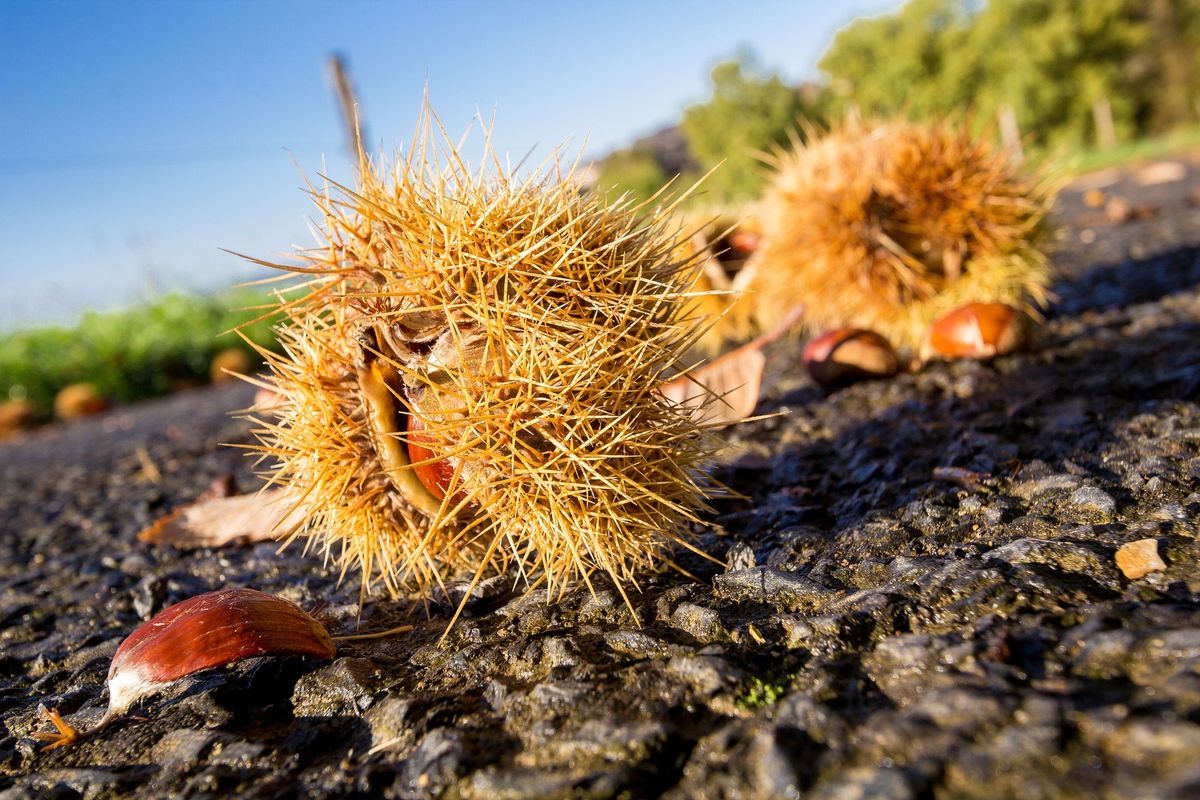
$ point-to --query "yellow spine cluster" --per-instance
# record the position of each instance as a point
(527, 326)
(888, 226)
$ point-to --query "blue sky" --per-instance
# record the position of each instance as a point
(139, 138)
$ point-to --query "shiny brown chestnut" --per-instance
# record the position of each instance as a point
(976, 330)
(844, 356)
(209, 630)
(435, 473)
(744, 242)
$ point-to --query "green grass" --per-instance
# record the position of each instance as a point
(133, 354)
(1131, 152)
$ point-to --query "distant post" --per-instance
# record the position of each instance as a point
(1010, 133)
(1106, 132)
(355, 127)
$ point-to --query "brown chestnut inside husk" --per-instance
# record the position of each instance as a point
(436, 474)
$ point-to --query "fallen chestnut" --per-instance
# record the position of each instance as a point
(209, 630)
(16, 415)
(228, 364)
(79, 400)
(844, 356)
(977, 330)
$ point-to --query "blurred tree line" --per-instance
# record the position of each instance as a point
(749, 113)
(1073, 73)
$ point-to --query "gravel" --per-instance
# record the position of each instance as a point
(923, 597)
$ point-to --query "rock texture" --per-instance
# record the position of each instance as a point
(923, 595)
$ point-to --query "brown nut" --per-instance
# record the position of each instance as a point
(1093, 198)
(227, 364)
(436, 474)
(210, 630)
(844, 356)
(976, 330)
(79, 400)
(744, 242)
(16, 415)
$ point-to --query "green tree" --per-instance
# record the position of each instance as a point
(1053, 61)
(633, 171)
(748, 114)
(1050, 61)
(895, 63)
(1168, 67)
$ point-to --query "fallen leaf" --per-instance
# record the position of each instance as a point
(150, 470)
(722, 391)
(725, 390)
(1161, 172)
(216, 522)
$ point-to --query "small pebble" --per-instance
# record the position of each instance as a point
(702, 623)
(740, 556)
(1094, 499)
(1140, 558)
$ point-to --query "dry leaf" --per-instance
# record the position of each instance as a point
(963, 477)
(215, 522)
(721, 392)
(725, 390)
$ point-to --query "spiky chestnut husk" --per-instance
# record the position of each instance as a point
(722, 241)
(525, 327)
(888, 226)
